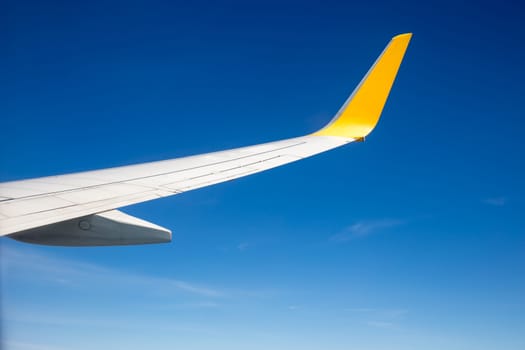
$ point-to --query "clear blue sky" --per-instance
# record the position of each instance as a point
(414, 239)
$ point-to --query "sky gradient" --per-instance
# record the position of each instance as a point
(414, 239)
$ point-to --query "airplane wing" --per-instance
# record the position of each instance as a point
(81, 209)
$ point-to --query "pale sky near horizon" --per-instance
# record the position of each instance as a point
(414, 239)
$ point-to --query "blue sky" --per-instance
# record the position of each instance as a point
(414, 239)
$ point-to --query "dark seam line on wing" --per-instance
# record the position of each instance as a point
(151, 189)
(43, 211)
(227, 178)
(139, 194)
(221, 180)
(151, 176)
(223, 171)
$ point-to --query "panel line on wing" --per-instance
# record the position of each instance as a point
(157, 175)
(223, 170)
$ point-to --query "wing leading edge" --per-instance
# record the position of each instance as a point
(34, 210)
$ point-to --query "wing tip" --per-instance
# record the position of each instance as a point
(360, 113)
(408, 36)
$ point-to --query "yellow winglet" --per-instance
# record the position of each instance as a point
(361, 111)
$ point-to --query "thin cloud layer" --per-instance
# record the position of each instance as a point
(496, 201)
(365, 228)
(27, 263)
(381, 318)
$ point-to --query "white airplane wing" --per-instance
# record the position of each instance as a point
(80, 209)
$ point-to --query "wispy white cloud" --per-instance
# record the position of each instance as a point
(380, 324)
(360, 309)
(43, 316)
(17, 345)
(381, 317)
(243, 246)
(381, 312)
(190, 305)
(19, 263)
(365, 228)
(33, 266)
(81, 295)
(496, 201)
